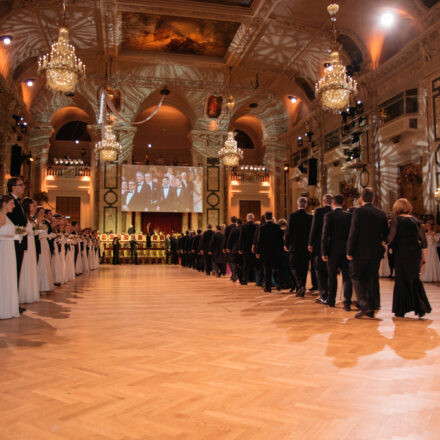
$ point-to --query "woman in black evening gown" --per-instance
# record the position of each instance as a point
(116, 247)
(408, 240)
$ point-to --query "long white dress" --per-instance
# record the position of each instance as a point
(29, 285)
(8, 272)
(63, 260)
(85, 262)
(70, 261)
(431, 271)
(44, 265)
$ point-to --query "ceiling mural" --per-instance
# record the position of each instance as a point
(246, 3)
(179, 35)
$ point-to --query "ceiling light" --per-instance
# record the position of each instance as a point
(293, 99)
(29, 82)
(149, 145)
(387, 19)
(76, 141)
(6, 40)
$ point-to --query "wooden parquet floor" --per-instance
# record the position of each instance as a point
(155, 352)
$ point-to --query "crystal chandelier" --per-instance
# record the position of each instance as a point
(335, 87)
(61, 65)
(230, 154)
(108, 147)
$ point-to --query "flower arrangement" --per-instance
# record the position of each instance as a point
(350, 191)
(410, 175)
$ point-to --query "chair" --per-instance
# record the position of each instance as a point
(103, 237)
(126, 237)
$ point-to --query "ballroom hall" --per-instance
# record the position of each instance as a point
(219, 220)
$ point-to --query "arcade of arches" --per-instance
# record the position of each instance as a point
(137, 352)
(275, 53)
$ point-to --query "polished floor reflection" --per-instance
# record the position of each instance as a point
(155, 352)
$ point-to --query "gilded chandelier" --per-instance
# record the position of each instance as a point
(335, 87)
(61, 65)
(230, 154)
(108, 147)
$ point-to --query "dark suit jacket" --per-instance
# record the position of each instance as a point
(182, 200)
(246, 239)
(234, 240)
(167, 204)
(335, 232)
(270, 243)
(298, 230)
(316, 231)
(369, 228)
(18, 217)
(205, 241)
(151, 195)
(228, 230)
(216, 245)
(196, 242)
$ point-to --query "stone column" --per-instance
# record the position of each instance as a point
(205, 146)
(95, 136)
(275, 158)
(39, 143)
(109, 182)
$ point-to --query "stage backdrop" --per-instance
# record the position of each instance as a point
(154, 188)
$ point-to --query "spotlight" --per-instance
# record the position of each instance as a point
(309, 135)
(299, 142)
(29, 82)
(6, 39)
(25, 123)
(165, 91)
(293, 99)
(286, 167)
(387, 19)
(76, 141)
(149, 145)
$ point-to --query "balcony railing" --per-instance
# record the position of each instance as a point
(68, 171)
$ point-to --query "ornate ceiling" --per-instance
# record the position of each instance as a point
(192, 42)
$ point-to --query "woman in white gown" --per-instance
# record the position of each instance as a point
(29, 284)
(70, 256)
(8, 266)
(431, 271)
(44, 262)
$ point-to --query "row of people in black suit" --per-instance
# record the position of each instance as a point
(145, 194)
(336, 240)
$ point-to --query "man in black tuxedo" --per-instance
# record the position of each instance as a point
(368, 232)
(228, 230)
(232, 247)
(269, 249)
(167, 196)
(198, 264)
(130, 201)
(151, 192)
(297, 237)
(140, 195)
(334, 249)
(18, 217)
(315, 248)
(216, 250)
(247, 233)
(182, 197)
(204, 246)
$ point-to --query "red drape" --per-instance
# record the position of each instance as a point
(162, 221)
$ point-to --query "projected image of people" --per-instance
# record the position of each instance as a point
(161, 188)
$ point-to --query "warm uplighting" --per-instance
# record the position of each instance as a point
(437, 194)
(387, 19)
(85, 178)
(6, 39)
(265, 184)
(235, 182)
(50, 177)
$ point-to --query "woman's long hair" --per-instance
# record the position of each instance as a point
(26, 204)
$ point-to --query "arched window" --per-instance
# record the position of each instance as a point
(73, 131)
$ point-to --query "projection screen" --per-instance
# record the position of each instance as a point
(156, 188)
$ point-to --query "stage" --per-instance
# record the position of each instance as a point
(162, 352)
